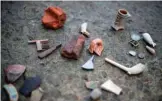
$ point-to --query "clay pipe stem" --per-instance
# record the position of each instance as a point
(33, 41)
(116, 64)
(48, 52)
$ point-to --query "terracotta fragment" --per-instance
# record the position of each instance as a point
(96, 46)
(13, 72)
(54, 17)
(73, 48)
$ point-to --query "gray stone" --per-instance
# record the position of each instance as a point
(96, 94)
(141, 55)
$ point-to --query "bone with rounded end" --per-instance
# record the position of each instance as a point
(148, 39)
(151, 50)
(133, 70)
(84, 29)
(112, 87)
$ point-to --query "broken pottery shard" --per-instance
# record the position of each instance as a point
(132, 53)
(110, 86)
(148, 39)
(73, 48)
(12, 92)
(151, 50)
(13, 72)
(54, 17)
(92, 84)
(89, 64)
(96, 94)
(29, 85)
(37, 94)
(96, 46)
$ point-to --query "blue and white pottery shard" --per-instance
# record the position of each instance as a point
(89, 64)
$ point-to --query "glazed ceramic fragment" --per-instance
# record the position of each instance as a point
(12, 92)
(112, 87)
(92, 84)
(89, 64)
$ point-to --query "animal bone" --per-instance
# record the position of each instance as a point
(148, 39)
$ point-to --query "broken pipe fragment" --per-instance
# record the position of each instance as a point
(96, 46)
(89, 64)
(54, 17)
(151, 50)
(73, 48)
(84, 29)
(48, 52)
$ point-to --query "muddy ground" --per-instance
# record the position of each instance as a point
(63, 79)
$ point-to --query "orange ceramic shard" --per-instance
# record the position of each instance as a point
(96, 46)
(54, 17)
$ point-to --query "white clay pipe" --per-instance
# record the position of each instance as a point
(133, 70)
(84, 29)
(151, 50)
(148, 39)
